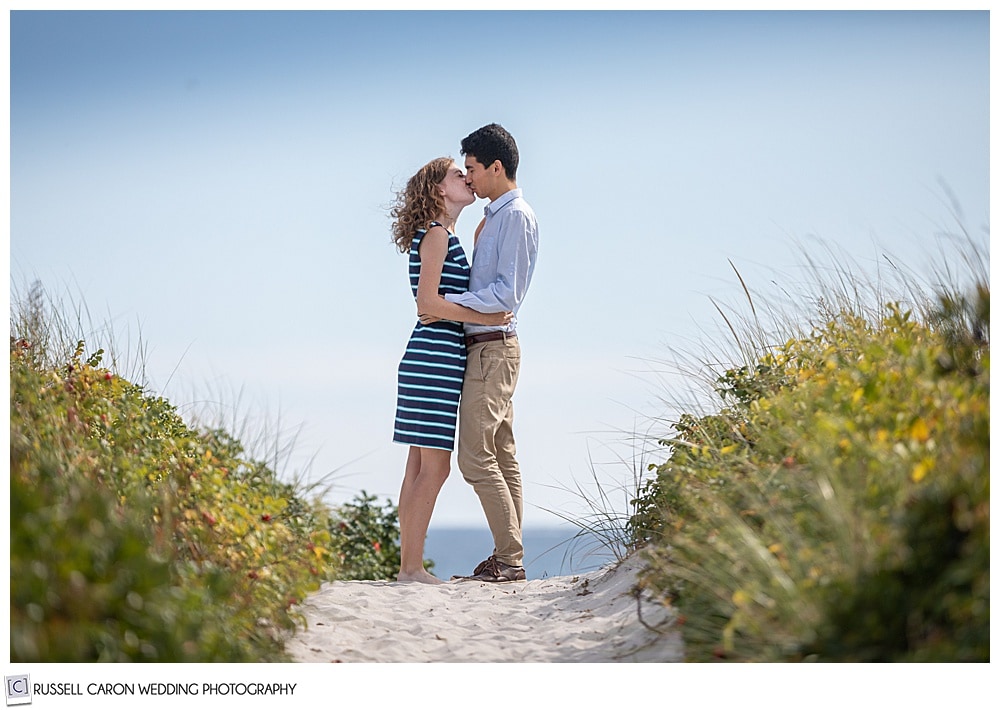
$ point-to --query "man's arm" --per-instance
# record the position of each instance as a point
(433, 248)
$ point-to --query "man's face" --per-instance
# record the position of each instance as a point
(480, 178)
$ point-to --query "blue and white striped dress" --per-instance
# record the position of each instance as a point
(433, 366)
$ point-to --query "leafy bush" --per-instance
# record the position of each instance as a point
(365, 538)
(132, 524)
(137, 537)
(88, 584)
(836, 507)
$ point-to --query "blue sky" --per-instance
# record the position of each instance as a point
(218, 181)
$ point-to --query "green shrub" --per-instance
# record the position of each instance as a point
(137, 537)
(89, 584)
(365, 538)
(836, 507)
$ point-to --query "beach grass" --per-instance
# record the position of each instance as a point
(831, 502)
(138, 535)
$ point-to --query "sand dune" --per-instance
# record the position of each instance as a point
(592, 617)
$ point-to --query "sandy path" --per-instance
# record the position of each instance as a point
(583, 618)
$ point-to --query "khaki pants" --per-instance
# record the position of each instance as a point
(486, 451)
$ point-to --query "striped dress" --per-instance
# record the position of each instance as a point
(433, 366)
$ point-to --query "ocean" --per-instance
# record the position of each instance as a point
(548, 552)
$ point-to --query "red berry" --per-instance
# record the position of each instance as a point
(266, 517)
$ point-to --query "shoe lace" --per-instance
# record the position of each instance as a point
(492, 566)
(484, 565)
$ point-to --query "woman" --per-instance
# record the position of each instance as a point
(433, 366)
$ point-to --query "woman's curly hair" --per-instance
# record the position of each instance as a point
(419, 203)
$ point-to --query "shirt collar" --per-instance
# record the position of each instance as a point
(499, 203)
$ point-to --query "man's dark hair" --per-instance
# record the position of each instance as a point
(490, 143)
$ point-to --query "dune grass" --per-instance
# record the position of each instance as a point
(139, 536)
(834, 504)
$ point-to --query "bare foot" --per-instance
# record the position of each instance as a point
(422, 576)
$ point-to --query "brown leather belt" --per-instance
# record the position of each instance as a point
(487, 337)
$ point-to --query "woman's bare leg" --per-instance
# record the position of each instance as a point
(426, 471)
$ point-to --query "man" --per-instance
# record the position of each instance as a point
(502, 264)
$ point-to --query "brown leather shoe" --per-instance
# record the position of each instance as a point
(480, 568)
(493, 570)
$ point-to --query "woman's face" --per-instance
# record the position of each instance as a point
(454, 189)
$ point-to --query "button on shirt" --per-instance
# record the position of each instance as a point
(502, 261)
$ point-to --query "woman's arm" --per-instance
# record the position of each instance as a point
(433, 249)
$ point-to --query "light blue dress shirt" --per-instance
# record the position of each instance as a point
(503, 261)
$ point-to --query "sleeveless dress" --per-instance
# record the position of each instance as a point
(433, 366)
